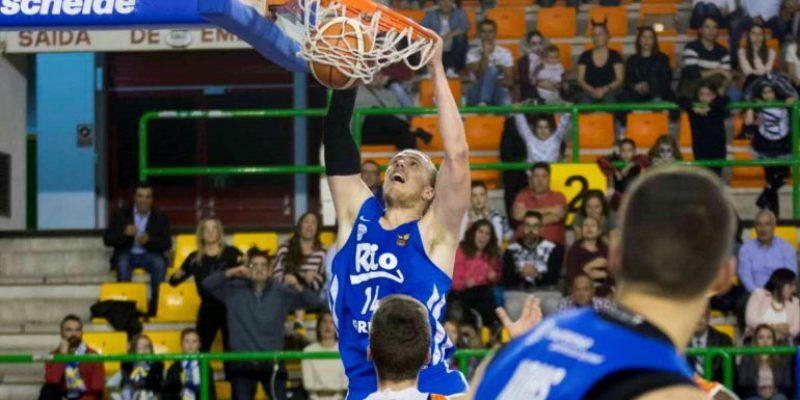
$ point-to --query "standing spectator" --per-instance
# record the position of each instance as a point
(648, 75)
(718, 10)
(538, 197)
(528, 64)
(140, 235)
(594, 205)
(451, 23)
(183, 377)
(479, 210)
(589, 256)
(302, 257)
(665, 151)
(706, 336)
(72, 380)
(545, 141)
(601, 72)
(141, 379)
(549, 76)
(707, 119)
(705, 60)
(532, 264)
(758, 12)
(395, 130)
(765, 376)
(324, 379)
(212, 255)
(491, 67)
(478, 267)
(622, 177)
(776, 305)
(760, 257)
(755, 59)
(581, 294)
(257, 305)
(371, 175)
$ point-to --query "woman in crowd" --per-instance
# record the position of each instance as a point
(594, 205)
(141, 379)
(324, 379)
(528, 64)
(647, 73)
(589, 256)
(775, 305)
(765, 376)
(601, 72)
(755, 59)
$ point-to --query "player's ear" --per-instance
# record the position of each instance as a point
(724, 279)
(428, 193)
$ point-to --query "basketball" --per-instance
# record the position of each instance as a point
(339, 41)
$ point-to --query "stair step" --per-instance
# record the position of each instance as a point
(20, 391)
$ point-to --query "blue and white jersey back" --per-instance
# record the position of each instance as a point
(566, 355)
(373, 264)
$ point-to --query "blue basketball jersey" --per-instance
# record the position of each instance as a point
(373, 264)
(565, 356)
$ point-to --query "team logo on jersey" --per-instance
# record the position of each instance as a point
(402, 240)
(362, 230)
(532, 380)
(367, 267)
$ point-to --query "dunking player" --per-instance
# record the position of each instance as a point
(408, 248)
(675, 252)
(399, 346)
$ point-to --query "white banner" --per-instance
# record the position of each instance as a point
(49, 41)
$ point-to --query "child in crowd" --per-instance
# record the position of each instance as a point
(707, 118)
(622, 177)
(183, 377)
(141, 380)
(665, 151)
(545, 142)
(549, 75)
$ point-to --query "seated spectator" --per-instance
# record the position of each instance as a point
(622, 177)
(140, 236)
(212, 255)
(648, 76)
(764, 376)
(491, 67)
(183, 377)
(302, 258)
(577, 3)
(395, 130)
(549, 76)
(451, 23)
(538, 197)
(543, 139)
(776, 305)
(477, 268)
(718, 10)
(371, 175)
(758, 12)
(528, 64)
(141, 379)
(257, 304)
(665, 151)
(594, 205)
(601, 72)
(532, 264)
(792, 61)
(324, 379)
(707, 113)
(760, 257)
(513, 149)
(771, 139)
(706, 336)
(705, 60)
(72, 380)
(480, 210)
(581, 294)
(589, 256)
(755, 59)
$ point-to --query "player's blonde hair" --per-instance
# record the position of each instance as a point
(426, 162)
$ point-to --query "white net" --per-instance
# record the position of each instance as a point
(359, 44)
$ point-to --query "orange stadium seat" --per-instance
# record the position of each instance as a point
(565, 55)
(185, 244)
(177, 304)
(473, 21)
(484, 131)
(616, 17)
(645, 128)
(430, 123)
(266, 241)
(513, 48)
(510, 22)
(426, 91)
(746, 177)
(492, 178)
(685, 133)
(416, 15)
(596, 130)
(662, 17)
(107, 343)
(514, 3)
(667, 47)
(557, 22)
(661, 1)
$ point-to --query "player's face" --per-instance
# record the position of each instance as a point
(590, 229)
(764, 338)
(532, 228)
(479, 198)
(582, 290)
(309, 227)
(765, 227)
(190, 343)
(482, 237)
(540, 181)
(210, 232)
(594, 208)
(407, 181)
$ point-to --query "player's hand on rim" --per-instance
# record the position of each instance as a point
(436, 59)
(529, 318)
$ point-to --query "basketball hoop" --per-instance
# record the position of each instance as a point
(379, 35)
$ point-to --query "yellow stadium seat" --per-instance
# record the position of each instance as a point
(185, 244)
(165, 342)
(645, 128)
(267, 241)
(596, 130)
(565, 55)
(223, 390)
(484, 131)
(557, 22)
(107, 343)
(429, 123)
(328, 238)
(787, 233)
(177, 304)
(616, 18)
(510, 22)
(132, 291)
(727, 329)
(426, 91)
(216, 347)
(746, 177)
(662, 17)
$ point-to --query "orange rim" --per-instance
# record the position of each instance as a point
(390, 19)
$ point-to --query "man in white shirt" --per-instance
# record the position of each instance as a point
(757, 12)
(399, 346)
(491, 69)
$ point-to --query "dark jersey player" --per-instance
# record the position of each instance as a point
(675, 252)
(407, 248)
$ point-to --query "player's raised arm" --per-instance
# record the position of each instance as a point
(343, 162)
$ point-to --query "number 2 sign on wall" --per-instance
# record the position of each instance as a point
(573, 180)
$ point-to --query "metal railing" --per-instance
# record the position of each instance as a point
(145, 170)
